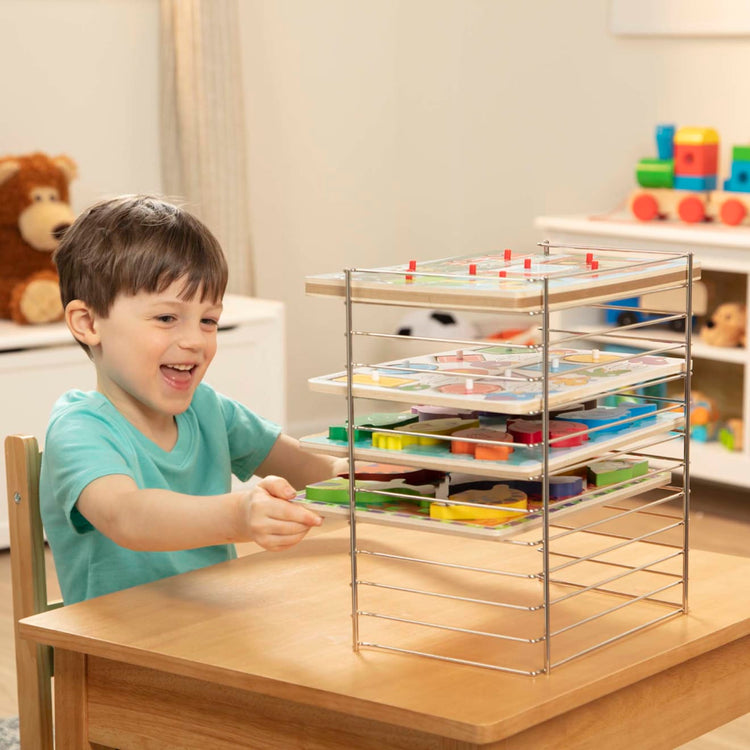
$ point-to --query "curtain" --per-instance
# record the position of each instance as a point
(202, 124)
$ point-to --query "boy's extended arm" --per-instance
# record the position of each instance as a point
(299, 467)
(160, 520)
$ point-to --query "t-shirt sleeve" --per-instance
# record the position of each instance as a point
(250, 437)
(78, 449)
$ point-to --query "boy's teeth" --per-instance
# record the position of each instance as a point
(181, 367)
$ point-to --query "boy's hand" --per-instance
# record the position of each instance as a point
(272, 521)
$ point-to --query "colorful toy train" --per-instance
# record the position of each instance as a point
(681, 182)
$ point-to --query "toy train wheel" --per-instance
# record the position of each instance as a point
(645, 207)
(691, 209)
(732, 212)
(627, 319)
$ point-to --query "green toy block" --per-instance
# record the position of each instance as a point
(336, 492)
(741, 153)
(604, 473)
(655, 173)
(380, 420)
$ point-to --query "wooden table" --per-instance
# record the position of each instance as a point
(258, 653)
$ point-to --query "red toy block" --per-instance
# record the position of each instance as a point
(529, 431)
(696, 160)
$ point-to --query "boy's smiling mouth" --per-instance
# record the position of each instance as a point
(178, 375)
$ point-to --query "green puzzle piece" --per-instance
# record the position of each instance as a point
(336, 491)
(603, 473)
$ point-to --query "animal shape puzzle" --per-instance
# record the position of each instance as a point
(518, 460)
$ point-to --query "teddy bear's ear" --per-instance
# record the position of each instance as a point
(67, 166)
(8, 168)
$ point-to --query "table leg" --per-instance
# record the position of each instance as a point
(71, 723)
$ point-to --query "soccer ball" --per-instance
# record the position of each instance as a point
(436, 324)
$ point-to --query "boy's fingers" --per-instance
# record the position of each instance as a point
(282, 510)
(277, 486)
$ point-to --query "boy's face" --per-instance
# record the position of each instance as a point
(154, 349)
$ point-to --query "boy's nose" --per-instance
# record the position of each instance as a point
(191, 338)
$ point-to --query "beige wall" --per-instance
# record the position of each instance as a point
(387, 130)
(79, 77)
(379, 130)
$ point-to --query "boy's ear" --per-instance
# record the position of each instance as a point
(81, 321)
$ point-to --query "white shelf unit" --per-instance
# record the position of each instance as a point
(39, 363)
(536, 597)
(717, 249)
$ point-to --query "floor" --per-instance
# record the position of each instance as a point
(720, 522)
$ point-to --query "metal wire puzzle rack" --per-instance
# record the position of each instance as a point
(530, 601)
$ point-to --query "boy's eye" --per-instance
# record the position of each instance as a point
(165, 318)
(210, 322)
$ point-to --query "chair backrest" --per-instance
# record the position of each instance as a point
(29, 578)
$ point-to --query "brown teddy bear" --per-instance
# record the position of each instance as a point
(34, 212)
(726, 327)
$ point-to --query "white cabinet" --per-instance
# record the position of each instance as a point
(724, 256)
(39, 363)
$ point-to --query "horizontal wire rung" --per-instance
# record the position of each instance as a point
(452, 628)
(455, 566)
(452, 597)
(583, 588)
(614, 547)
(601, 521)
(617, 637)
(453, 660)
(617, 607)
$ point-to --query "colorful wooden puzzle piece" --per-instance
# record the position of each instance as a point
(481, 451)
(442, 412)
(394, 442)
(560, 487)
(382, 420)
(336, 491)
(390, 472)
(603, 473)
(600, 417)
(529, 431)
(500, 495)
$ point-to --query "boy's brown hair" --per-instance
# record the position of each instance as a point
(135, 244)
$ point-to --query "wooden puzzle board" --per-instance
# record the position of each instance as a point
(575, 375)
(447, 282)
(524, 463)
(416, 520)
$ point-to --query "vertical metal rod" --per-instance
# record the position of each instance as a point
(686, 440)
(350, 447)
(545, 471)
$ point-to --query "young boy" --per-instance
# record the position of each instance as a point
(136, 476)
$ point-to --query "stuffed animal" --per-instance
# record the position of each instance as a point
(726, 327)
(34, 212)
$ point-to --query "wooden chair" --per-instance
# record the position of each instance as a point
(33, 663)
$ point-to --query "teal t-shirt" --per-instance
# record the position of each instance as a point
(88, 438)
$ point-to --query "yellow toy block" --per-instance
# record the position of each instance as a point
(695, 136)
(392, 442)
(498, 500)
